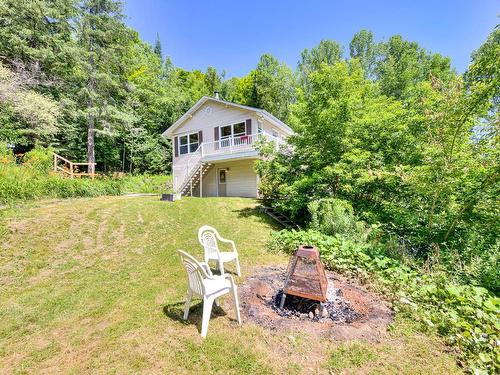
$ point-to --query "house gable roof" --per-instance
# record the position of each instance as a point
(266, 115)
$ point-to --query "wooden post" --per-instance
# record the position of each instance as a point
(71, 169)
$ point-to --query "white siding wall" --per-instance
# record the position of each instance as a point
(210, 182)
(241, 179)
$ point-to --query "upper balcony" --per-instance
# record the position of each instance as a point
(235, 147)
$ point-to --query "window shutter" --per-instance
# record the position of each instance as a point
(216, 137)
(176, 146)
(200, 137)
(248, 125)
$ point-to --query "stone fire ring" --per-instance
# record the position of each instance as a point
(257, 296)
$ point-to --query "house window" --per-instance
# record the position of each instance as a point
(188, 143)
(233, 130)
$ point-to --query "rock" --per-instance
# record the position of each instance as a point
(325, 313)
(252, 312)
(316, 312)
(311, 315)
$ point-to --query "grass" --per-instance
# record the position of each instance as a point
(94, 285)
(21, 183)
(155, 184)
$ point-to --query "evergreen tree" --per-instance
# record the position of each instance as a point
(103, 37)
(157, 48)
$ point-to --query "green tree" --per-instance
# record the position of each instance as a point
(157, 48)
(363, 48)
(103, 37)
(271, 86)
(402, 64)
(213, 80)
(326, 52)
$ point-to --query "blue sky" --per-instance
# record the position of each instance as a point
(232, 35)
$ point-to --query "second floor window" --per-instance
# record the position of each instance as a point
(233, 130)
(188, 143)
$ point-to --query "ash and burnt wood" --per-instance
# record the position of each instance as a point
(306, 276)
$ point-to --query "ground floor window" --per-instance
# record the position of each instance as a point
(188, 143)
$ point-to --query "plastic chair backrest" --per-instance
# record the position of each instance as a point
(208, 239)
(194, 273)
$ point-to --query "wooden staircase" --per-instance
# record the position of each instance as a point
(192, 181)
(280, 218)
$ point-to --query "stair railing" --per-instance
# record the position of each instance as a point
(192, 165)
(71, 169)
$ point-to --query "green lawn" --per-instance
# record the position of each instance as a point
(95, 285)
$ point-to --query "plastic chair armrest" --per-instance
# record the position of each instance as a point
(207, 269)
(229, 242)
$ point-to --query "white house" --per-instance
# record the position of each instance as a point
(215, 140)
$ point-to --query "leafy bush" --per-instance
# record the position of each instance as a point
(6, 155)
(466, 315)
(336, 216)
(39, 159)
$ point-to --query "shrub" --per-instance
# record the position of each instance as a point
(6, 155)
(39, 159)
(466, 315)
(336, 216)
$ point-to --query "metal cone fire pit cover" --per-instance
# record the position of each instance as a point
(306, 276)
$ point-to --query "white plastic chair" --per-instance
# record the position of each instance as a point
(209, 238)
(201, 282)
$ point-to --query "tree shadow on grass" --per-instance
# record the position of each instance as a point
(257, 213)
(175, 311)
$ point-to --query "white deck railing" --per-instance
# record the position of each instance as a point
(236, 144)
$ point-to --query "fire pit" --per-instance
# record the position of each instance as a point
(349, 312)
(305, 276)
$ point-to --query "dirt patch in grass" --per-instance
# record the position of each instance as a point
(372, 314)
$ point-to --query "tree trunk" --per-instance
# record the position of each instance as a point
(91, 86)
(91, 125)
(91, 140)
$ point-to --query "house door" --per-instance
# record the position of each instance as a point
(221, 182)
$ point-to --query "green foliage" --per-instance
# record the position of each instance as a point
(40, 160)
(402, 64)
(6, 155)
(271, 86)
(364, 48)
(26, 115)
(335, 216)
(26, 182)
(466, 315)
(157, 184)
(409, 146)
(326, 52)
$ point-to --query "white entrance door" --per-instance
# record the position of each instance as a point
(221, 182)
